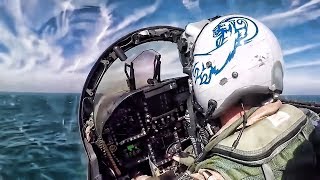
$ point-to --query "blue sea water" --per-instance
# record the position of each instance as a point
(39, 136)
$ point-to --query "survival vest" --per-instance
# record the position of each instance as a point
(277, 147)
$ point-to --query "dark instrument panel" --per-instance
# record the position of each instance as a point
(147, 128)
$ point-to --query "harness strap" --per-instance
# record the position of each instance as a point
(225, 133)
(228, 131)
(267, 172)
(192, 128)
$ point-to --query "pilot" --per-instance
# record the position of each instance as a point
(237, 77)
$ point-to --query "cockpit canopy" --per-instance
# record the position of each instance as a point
(142, 64)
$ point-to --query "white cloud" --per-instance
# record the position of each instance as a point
(42, 81)
(301, 78)
(300, 49)
(301, 64)
(94, 51)
(299, 15)
(295, 3)
(37, 64)
(26, 48)
(191, 4)
(301, 84)
(137, 15)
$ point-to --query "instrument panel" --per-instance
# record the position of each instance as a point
(147, 128)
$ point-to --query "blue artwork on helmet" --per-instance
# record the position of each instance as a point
(232, 30)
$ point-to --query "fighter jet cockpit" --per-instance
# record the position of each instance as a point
(138, 109)
(133, 114)
(141, 114)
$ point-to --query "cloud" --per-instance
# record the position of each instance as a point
(36, 63)
(302, 64)
(294, 3)
(299, 83)
(191, 4)
(300, 49)
(26, 48)
(299, 15)
(137, 15)
(41, 81)
(85, 60)
(300, 78)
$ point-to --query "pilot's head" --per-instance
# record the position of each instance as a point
(233, 59)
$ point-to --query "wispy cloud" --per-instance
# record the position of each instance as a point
(92, 52)
(137, 15)
(302, 64)
(40, 81)
(37, 63)
(300, 49)
(299, 83)
(294, 3)
(301, 14)
(26, 48)
(191, 4)
(86, 59)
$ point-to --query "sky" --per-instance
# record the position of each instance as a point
(51, 45)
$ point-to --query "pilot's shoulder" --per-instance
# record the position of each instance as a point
(312, 116)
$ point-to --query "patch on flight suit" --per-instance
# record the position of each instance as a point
(278, 118)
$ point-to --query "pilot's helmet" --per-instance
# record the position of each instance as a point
(234, 58)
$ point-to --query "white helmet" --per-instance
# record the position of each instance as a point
(233, 58)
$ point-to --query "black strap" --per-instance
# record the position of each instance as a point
(192, 129)
(244, 123)
(225, 133)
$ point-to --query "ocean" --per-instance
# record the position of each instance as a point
(40, 138)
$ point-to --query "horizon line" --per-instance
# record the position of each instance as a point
(47, 92)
